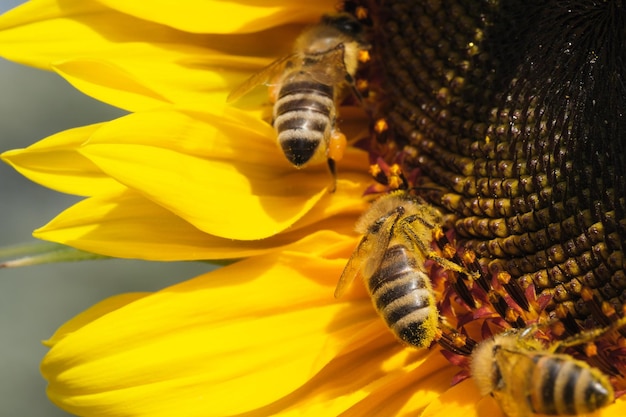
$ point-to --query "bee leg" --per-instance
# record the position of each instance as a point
(336, 146)
(332, 167)
(355, 91)
(454, 341)
(590, 335)
(424, 247)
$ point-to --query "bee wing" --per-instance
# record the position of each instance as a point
(331, 65)
(353, 266)
(514, 366)
(367, 257)
(339, 75)
(266, 76)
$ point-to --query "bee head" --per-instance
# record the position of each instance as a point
(347, 24)
(344, 22)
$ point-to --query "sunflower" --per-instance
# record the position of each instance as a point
(185, 176)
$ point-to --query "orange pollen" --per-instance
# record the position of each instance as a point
(273, 90)
(337, 145)
(558, 328)
(364, 55)
(381, 126)
(361, 13)
(362, 84)
(374, 170)
(511, 316)
(395, 182)
(503, 277)
(395, 169)
(591, 349)
(438, 233)
(608, 309)
(469, 256)
(448, 251)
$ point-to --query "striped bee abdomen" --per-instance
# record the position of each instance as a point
(525, 376)
(402, 295)
(303, 87)
(304, 114)
(563, 386)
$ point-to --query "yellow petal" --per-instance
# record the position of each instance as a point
(55, 163)
(93, 313)
(139, 76)
(40, 32)
(378, 380)
(132, 63)
(223, 174)
(616, 409)
(120, 88)
(223, 16)
(130, 226)
(463, 400)
(410, 380)
(46, 33)
(261, 329)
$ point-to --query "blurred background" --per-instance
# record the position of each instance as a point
(34, 301)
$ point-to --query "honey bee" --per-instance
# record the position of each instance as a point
(306, 87)
(523, 376)
(398, 232)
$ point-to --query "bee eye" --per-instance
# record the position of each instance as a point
(350, 27)
(344, 23)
